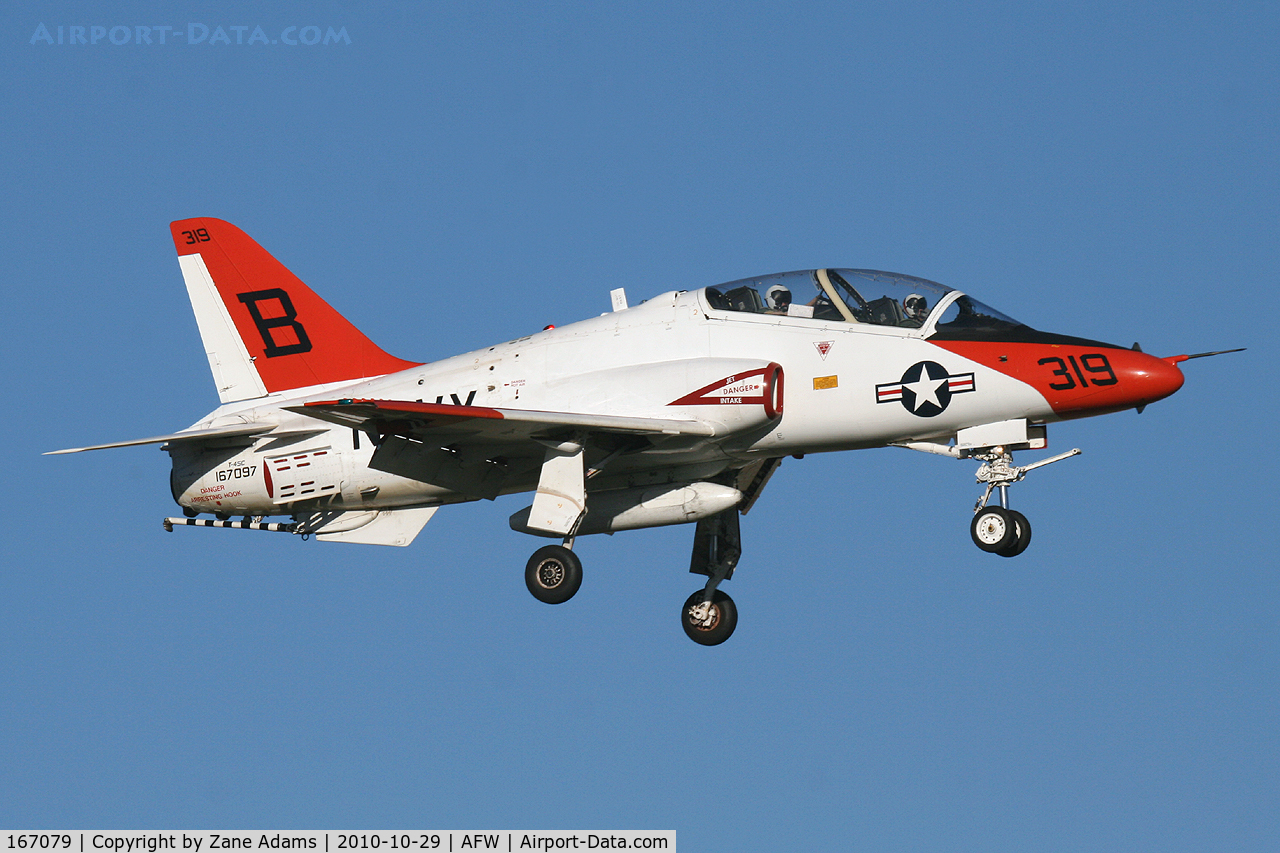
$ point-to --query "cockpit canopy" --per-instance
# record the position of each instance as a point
(861, 296)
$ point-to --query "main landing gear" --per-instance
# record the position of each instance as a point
(709, 615)
(554, 574)
(709, 622)
(997, 529)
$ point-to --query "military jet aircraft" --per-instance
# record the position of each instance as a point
(674, 411)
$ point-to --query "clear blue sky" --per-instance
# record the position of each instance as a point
(461, 174)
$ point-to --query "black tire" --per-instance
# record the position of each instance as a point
(719, 624)
(993, 529)
(1022, 538)
(553, 574)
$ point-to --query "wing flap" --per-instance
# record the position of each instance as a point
(480, 451)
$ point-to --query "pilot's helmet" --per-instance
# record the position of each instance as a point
(917, 307)
(778, 297)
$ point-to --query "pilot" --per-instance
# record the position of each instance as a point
(778, 299)
(916, 308)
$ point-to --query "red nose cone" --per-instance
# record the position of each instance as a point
(1079, 380)
(1140, 379)
(1160, 378)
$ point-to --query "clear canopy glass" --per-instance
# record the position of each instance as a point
(858, 296)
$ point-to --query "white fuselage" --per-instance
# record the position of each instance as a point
(838, 394)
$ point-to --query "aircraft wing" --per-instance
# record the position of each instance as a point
(233, 431)
(444, 421)
(480, 451)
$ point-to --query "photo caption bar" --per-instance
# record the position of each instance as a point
(334, 841)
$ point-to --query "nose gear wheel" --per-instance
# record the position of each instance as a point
(993, 529)
(1022, 537)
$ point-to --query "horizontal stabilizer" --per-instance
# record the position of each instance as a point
(237, 430)
(398, 527)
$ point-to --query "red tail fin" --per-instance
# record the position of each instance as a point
(262, 327)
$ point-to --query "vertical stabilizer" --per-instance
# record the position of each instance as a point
(264, 330)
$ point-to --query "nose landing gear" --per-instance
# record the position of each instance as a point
(999, 529)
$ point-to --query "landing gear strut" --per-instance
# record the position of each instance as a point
(997, 529)
(709, 615)
(554, 573)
